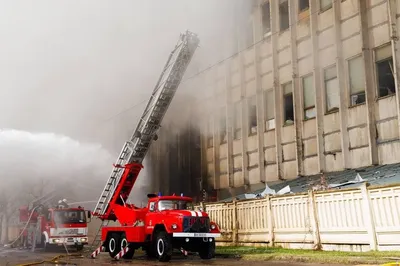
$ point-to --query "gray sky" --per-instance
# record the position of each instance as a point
(69, 65)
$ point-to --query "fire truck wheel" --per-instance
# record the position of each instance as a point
(207, 250)
(163, 247)
(131, 251)
(114, 245)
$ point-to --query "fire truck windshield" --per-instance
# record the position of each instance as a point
(174, 205)
(69, 216)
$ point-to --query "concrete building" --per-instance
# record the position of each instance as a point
(314, 91)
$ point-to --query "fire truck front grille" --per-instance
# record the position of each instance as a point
(196, 224)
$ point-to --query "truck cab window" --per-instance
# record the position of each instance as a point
(174, 205)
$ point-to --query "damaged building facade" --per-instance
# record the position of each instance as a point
(311, 89)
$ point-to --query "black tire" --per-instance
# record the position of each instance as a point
(163, 246)
(207, 250)
(113, 245)
(124, 243)
(79, 248)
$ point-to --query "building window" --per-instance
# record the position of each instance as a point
(266, 18)
(284, 15)
(325, 4)
(222, 125)
(304, 5)
(308, 97)
(332, 95)
(249, 35)
(357, 80)
(210, 132)
(237, 121)
(269, 109)
(252, 114)
(288, 104)
(384, 71)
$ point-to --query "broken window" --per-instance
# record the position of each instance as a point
(222, 125)
(210, 132)
(288, 104)
(308, 97)
(283, 15)
(252, 112)
(266, 18)
(304, 5)
(237, 120)
(384, 71)
(269, 109)
(325, 4)
(357, 80)
(332, 95)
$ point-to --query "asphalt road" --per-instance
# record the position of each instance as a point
(11, 257)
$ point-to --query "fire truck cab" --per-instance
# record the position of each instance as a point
(57, 226)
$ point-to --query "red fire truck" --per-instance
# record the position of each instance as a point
(167, 222)
(59, 225)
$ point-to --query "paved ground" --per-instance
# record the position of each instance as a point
(11, 257)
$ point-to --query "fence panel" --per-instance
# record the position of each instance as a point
(291, 219)
(252, 221)
(341, 217)
(222, 214)
(386, 213)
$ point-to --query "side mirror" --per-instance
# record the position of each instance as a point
(152, 207)
(89, 215)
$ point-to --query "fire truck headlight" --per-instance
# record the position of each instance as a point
(84, 239)
(56, 240)
(213, 227)
(174, 226)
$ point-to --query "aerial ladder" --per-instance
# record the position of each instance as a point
(129, 163)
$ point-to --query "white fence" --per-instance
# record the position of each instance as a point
(353, 219)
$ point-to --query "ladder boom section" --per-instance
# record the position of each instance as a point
(129, 162)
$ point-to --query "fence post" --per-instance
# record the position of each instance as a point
(314, 220)
(369, 217)
(270, 220)
(234, 223)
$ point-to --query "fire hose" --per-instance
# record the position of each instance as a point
(54, 260)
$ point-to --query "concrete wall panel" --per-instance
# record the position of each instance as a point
(334, 162)
(248, 56)
(236, 94)
(267, 80)
(238, 179)
(223, 151)
(385, 108)
(331, 122)
(254, 176)
(289, 170)
(237, 146)
(350, 27)
(359, 157)
(357, 115)
(252, 143)
(249, 72)
(210, 155)
(235, 79)
(352, 46)
(266, 65)
(265, 48)
(289, 151)
(303, 29)
(309, 128)
(327, 56)
(223, 181)
(253, 159)
(250, 88)
(270, 173)
(288, 134)
(388, 130)
(311, 166)
(379, 35)
(269, 138)
(358, 137)
(223, 165)
(305, 66)
(284, 56)
(237, 162)
(348, 8)
(304, 48)
(332, 142)
(326, 38)
(283, 39)
(310, 147)
(389, 153)
(270, 155)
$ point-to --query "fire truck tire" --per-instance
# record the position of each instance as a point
(131, 251)
(163, 246)
(114, 246)
(207, 250)
(79, 248)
